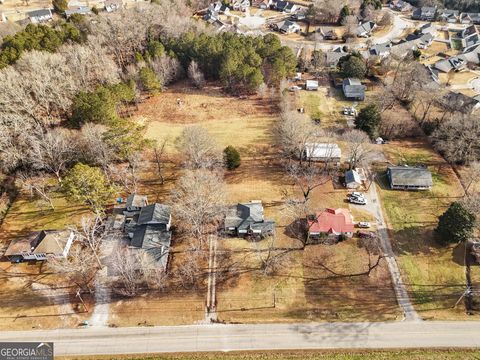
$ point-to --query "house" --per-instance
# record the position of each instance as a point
(136, 202)
(352, 179)
(365, 29)
(353, 89)
(246, 219)
(425, 13)
(219, 7)
(287, 27)
(450, 16)
(420, 41)
(329, 34)
(323, 152)
(470, 18)
(80, 10)
(285, 6)
(333, 57)
(40, 16)
(241, 5)
(409, 178)
(428, 28)
(331, 223)
(380, 50)
(112, 5)
(262, 4)
(311, 85)
(401, 5)
(40, 245)
(460, 102)
(210, 16)
(466, 37)
(455, 63)
(155, 241)
(434, 74)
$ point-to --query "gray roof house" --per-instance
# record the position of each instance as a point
(400, 5)
(353, 89)
(40, 16)
(365, 28)
(247, 219)
(461, 102)
(454, 63)
(428, 28)
(381, 50)
(409, 178)
(450, 16)
(332, 57)
(467, 37)
(155, 214)
(155, 241)
(112, 5)
(135, 202)
(287, 27)
(425, 13)
(470, 18)
(323, 152)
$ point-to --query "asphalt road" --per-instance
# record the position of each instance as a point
(194, 338)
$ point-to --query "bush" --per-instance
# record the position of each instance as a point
(353, 66)
(149, 80)
(232, 158)
(455, 225)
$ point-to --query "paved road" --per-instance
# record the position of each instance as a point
(96, 341)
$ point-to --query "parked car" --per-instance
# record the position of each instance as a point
(294, 88)
(358, 201)
(355, 194)
(350, 111)
(363, 224)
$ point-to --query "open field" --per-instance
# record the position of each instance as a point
(441, 354)
(434, 274)
(299, 288)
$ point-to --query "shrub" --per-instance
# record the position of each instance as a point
(455, 225)
(232, 158)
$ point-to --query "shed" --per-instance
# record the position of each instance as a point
(311, 85)
(352, 179)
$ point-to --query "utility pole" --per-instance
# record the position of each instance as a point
(79, 295)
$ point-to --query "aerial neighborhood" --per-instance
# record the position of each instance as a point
(171, 163)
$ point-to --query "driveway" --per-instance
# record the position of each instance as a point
(399, 26)
(375, 208)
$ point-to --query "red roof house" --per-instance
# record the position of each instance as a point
(331, 222)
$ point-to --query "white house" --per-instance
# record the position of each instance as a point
(323, 152)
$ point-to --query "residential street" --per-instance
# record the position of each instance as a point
(96, 341)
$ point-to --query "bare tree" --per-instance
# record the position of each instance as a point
(358, 147)
(79, 267)
(166, 68)
(199, 148)
(36, 185)
(91, 234)
(129, 271)
(198, 202)
(471, 175)
(94, 150)
(52, 151)
(159, 152)
(196, 75)
(270, 257)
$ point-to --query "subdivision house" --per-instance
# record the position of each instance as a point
(364, 29)
(353, 89)
(40, 246)
(333, 57)
(323, 152)
(450, 16)
(40, 16)
(112, 5)
(460, 102)
(285, 6)
(470, 18)
(425, 13)
(465, 38)
(455, 63)
(381, 50)
(247, 219)
(409, 178)
(400, 5)
(353, 179)
(241, 5)
(148, 228)
(80, 10)
(287, 27)
(428, 28)
(262, 4)
(331, 223)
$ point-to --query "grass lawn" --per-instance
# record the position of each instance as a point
(326, 104)
(433, 273)
(428, 354)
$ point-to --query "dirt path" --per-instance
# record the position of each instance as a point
(211, 312)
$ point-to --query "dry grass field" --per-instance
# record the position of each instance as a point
(433, 273)
(32, 296)
(299, 289)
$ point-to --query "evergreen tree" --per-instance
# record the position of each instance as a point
(368, 120)
(455, 224)
(231, 157)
